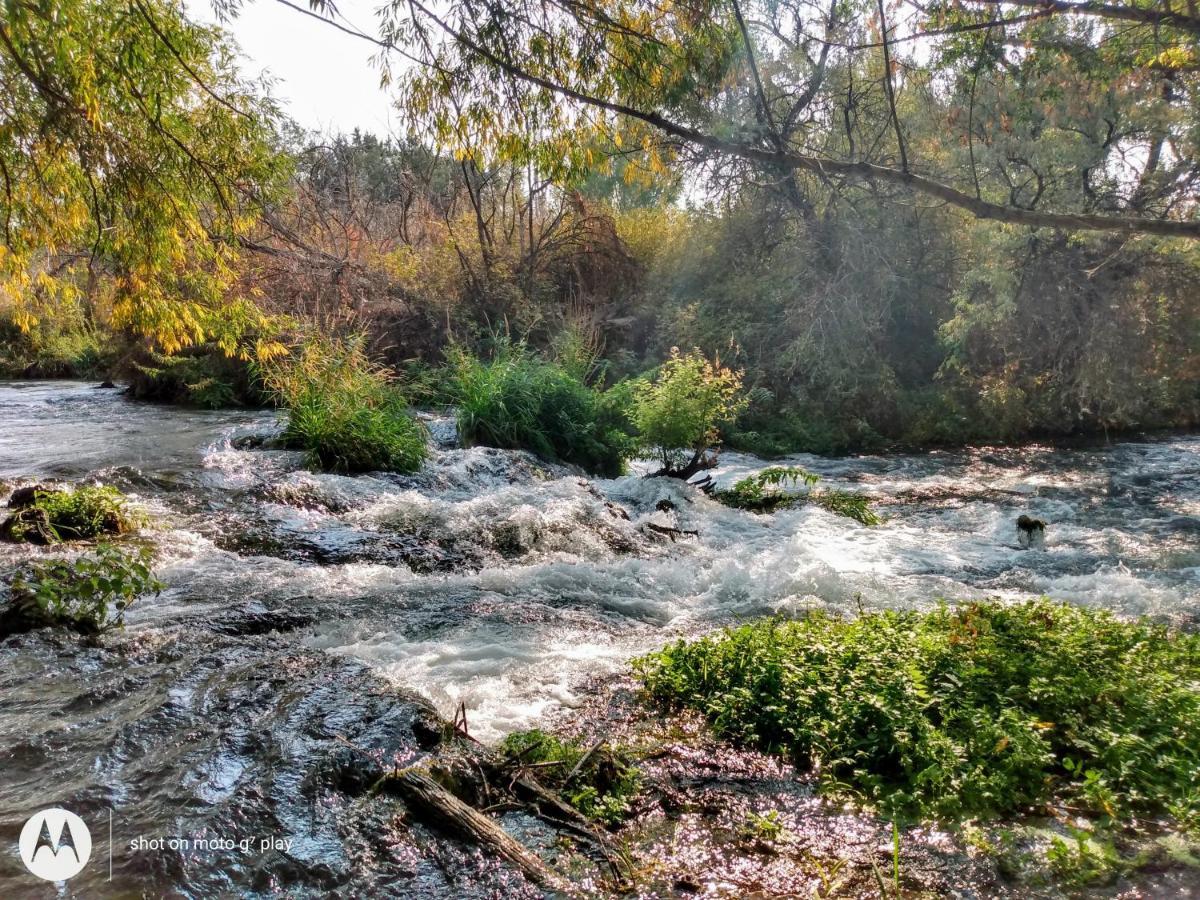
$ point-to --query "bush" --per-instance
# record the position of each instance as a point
(89, 594)
(344, 411)
(678, 413)
(520, 401)
(204, 376)
(764, 492)
(981, 710)
(597, 781)
(78, 351)
(52, 515)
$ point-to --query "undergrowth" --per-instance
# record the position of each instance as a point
(83, 513)
(518, 400)
(599, 781)
(88, 594)
(344, 411)
(978, 711)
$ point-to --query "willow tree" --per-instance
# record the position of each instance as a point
(132, 161)
(839, 93)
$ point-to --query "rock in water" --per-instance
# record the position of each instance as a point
(31, 525)
(1031, 532)
(27, 496)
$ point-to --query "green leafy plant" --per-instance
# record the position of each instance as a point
(79, 514)
(847, 503)
(678, 414)
(89, 594)
(519, 401)
(765, 492)
(985, 709)
(597, 780)
(344, 411)
(765, 827)
(203, 376)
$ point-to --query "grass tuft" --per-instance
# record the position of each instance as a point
(520, 401)
(344, 411)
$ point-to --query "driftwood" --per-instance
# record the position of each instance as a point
(441, 809)
(671, 532)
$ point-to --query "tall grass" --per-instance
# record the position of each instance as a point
(520, 401)
(344, 411)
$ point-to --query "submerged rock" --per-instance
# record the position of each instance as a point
(1031, 532)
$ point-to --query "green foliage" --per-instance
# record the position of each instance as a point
(520, 401)
(133, 157)
(598, 781)
(982, 710)
(764, 492)
(58, 350)
(205, 377)
(764, 827)
(344, 411)
(75, 515)
(89, 594)
(847, 503)
(85, 512)
(679, 412)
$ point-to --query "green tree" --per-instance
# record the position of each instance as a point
(806, 92)
(678, 413)
(133, 161)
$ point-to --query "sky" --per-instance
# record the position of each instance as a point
(323, 77)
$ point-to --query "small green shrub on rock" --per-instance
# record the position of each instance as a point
(765, 492)
(598, 781)
(89, 594)
(48, 515)
(522, 402)
(344, 411)
(678, 414)
(986, 709)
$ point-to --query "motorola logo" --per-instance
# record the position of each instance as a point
(55, 844)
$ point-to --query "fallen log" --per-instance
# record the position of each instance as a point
(441, 809)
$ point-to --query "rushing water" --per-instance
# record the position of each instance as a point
(490, 580)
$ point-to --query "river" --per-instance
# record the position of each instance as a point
(491, 580)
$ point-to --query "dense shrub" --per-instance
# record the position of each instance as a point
(203, 376)
(344, 411)
(89, 594)
(520, 401)
(678, 413)
(980, 710)
(47, 515)
(78, 351)
(598, 781)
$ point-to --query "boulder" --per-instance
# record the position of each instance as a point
(30, 525)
